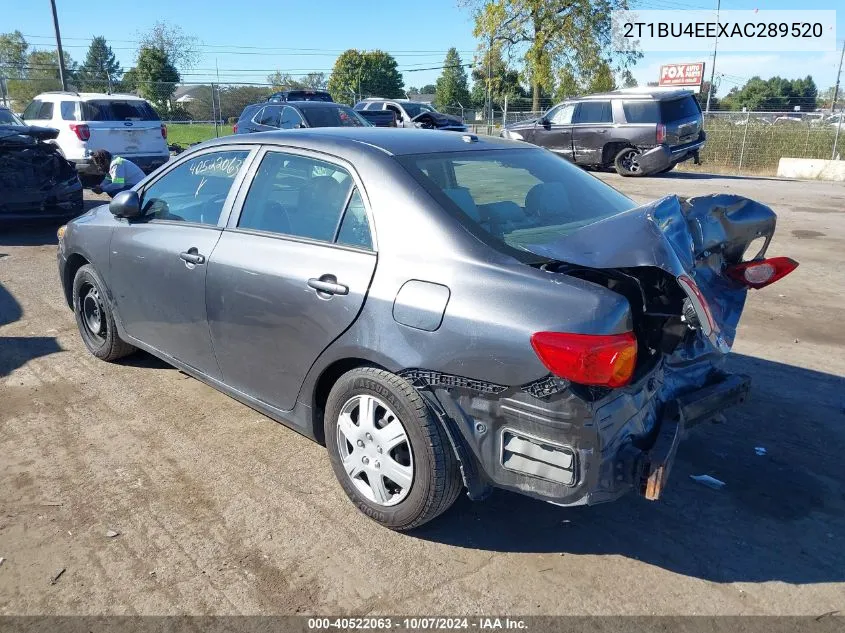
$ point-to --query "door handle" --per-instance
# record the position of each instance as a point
(328, 287)
(192, 257)
(602, 131)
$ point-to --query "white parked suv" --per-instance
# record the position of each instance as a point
(123, 124)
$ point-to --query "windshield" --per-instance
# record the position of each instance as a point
(333, 116)
(519, 197)
(128, 110)
(416, 109)
(7, 117)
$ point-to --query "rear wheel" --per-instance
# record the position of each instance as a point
(94, 317)
(627, 162)
(389, 454)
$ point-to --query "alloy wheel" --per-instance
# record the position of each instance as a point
(630, 161)
(375, 450)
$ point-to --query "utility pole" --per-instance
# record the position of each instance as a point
(713, 68)
(838, 76)
(59, 46)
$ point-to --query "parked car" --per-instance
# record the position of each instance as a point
(638, 134)
(413, 114)
(36, 182)
(300, 95)
(297, 114)
(441, 310)
(125, 125)
(379, 118)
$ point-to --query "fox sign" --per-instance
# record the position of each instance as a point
(682, 74)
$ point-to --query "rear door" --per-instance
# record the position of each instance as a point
(556, 133)
(593, 126)
(683, 120)
(124, 127)
(269, 118)
(158, 263)
(290, 272)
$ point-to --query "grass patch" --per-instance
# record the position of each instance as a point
(186, 134)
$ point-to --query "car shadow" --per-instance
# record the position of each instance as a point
(697, 175)
(144, 360)
(16, 351)
(37, 232)
(779, 517)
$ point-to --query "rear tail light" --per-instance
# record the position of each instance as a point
(164, 132)
(588, 359)
(82, 131)
(235, 128)
(661, 132)
(699, 304)
(762, 272)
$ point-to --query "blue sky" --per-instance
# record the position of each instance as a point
(251, 38)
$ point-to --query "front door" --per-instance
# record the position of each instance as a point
(158, 263)
(289, 274)
(554, 131)
(592, 130)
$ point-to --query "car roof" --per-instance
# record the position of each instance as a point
(392, 141)
(87, 96)
(655, 94)
(314, 104)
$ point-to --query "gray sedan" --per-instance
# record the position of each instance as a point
(442, 311)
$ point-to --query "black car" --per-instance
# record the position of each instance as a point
(300, 95)
(296, 114)
(36, 182)
(637, 133)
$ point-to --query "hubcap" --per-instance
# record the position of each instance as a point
(92, 312)
(630, 161)
(375, 450)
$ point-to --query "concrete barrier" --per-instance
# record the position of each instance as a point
(812, 169)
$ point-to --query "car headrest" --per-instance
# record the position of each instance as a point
(461, 197)
(548, 199)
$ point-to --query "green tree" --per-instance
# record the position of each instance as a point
(628, 80)
(773, 94)
(13, 55)
(181, 49)
(428, 89)
(504, 81)
(600, 78)
(315, 81)
(284, 81)
(551, 33)
(359, 74)
(451, 87)
(100, 70)
(42, 75)
(156, 78)
(567, 84)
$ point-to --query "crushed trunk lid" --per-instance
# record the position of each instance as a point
(693, 239)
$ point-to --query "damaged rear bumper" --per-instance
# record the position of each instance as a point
(567, 450)
(662, 156)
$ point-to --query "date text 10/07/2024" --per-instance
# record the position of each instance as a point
(418, 623)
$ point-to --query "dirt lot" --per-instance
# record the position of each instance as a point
(222, 511)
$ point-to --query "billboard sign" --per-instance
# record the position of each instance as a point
(682, 75)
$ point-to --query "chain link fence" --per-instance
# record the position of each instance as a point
(737, 142)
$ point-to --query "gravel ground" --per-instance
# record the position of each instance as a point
(219, 510)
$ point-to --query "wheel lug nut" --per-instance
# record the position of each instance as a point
(380, 450)
(366, 460)
(377, 465)
(360, 444)
(369, 437)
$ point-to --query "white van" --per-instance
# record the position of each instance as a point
(123, 124)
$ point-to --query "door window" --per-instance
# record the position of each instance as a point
(395, 110)
(269, 116)
(39, 110)
(562, 115)
(303, 197)
(355, 227)
(32, 109)
(196, 190)
(68, 109)
(594, 112)
(290, 118)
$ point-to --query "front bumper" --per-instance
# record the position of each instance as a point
(660, 157)
(61, 202)
(570, 450)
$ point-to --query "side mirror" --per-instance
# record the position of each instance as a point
(126, 204)
(545, 122)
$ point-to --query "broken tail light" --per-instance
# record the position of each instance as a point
(82, 131)
(607, 359)
(762, 272)
(164, 131)
(661, 133)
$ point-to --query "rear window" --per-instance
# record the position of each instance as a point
(248, 112)
(641, 111)
(677, 109)
(111, 110)
(521, 198)
(332, 117)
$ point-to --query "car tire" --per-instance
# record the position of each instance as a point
(626, 162)
(370, 449)
(94, 317)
